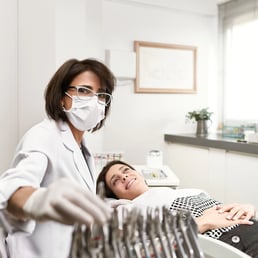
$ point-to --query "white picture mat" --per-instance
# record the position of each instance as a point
(165, 68)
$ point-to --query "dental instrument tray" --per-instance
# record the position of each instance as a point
(162, 176)
(156, 232)
(153, 173)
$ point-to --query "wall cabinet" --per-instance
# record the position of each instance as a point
(226, 176)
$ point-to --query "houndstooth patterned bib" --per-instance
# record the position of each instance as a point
(197, 205)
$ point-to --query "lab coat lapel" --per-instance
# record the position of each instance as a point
(83, 169)
(81, 165)
(90, 162)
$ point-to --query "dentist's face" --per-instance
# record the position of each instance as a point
(125, 182)
(87, 78)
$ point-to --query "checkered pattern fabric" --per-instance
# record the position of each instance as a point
(197, 205)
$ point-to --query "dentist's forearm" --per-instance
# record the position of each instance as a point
(17, 201)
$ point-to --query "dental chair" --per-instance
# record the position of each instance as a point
(214, 248)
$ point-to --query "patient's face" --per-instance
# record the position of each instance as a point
(125, 182)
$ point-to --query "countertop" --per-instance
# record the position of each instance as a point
(213, 141)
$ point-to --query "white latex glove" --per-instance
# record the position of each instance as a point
(67, 202)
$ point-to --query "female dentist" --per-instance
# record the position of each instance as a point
(51, 183)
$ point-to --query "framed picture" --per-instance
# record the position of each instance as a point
(165, 68)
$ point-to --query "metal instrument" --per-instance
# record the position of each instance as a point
(158, 233)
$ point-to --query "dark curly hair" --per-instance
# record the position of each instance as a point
(102, 177)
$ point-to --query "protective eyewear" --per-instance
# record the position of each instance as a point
(84, 93)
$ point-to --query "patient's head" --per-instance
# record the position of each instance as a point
(121, 181)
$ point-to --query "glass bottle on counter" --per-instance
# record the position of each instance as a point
(154, 159)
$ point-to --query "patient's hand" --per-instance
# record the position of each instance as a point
(237, 211)
(212, 218)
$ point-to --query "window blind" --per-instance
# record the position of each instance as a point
(238, 37)
(235, 11)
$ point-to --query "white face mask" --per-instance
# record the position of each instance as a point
(85, 114)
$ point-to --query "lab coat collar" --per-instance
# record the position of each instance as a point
(87, 173)
(67, 135)
(62, 125)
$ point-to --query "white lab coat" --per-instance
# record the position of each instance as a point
(47, 152)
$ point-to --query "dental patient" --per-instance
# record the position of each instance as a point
(231, 223)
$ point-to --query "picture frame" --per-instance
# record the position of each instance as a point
(165, 68)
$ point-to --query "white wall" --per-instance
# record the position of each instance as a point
(8, 81)
(49, 32)
(139, 121)
(79, 35)
(36, 59)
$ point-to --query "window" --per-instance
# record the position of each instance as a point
(239, 44)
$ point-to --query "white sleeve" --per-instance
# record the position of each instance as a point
(11, 225)
(29, 169)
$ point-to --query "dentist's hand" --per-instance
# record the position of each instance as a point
(66, 202)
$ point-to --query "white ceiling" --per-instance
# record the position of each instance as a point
(206, 7)
(222, 1)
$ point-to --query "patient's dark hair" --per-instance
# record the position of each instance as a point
(102, 177)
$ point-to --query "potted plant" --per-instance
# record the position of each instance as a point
(201, 116)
